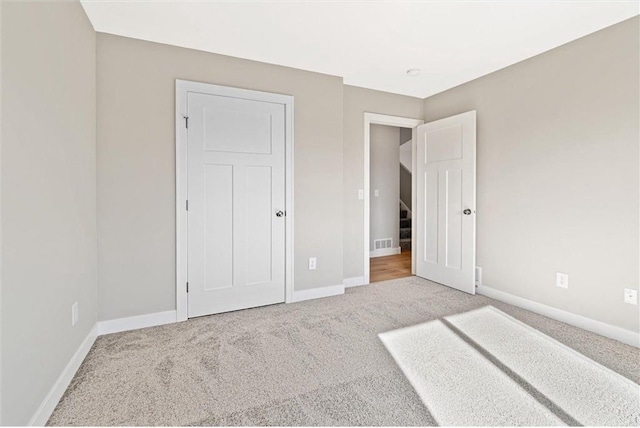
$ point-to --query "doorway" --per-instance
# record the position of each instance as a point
(234, 194)
(390, 196)
(383, 256)
(443, 199)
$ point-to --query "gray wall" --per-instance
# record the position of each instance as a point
(136, 167)
(405, 135)
(405, 186)
(557, 175)
(385, 158)
(405, 175)
(357, 101)
(48, 197)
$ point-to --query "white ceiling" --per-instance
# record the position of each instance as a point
(370, 44)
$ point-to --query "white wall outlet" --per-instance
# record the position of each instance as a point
(562, 280)
(360, 194)
(376, 193)
(478, 276)
(74, 314)
(631, 296)
(312, 263)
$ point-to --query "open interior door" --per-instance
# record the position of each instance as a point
(446, 201)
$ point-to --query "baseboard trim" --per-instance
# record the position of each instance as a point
(318, 293)
(611, 331)
(354, 282)
(384, 252)
(133, 323)
(42, 415)
(48, 405)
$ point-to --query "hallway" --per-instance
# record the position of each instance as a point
(390, 267)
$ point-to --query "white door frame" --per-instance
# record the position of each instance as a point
(183, 87)
(403, 122)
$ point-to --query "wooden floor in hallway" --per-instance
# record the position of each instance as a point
(390, 267)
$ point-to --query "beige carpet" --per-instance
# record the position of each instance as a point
(311, 363)
(484, 367)
(587, 392)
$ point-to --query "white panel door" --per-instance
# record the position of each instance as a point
(236, 203)
(446, 201)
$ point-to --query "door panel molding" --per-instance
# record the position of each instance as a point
(183, 88)
(446, 201)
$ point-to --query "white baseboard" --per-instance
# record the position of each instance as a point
(317, 293)
(384, 252)
(50, 402)
(133, 323)
(354, 282)
(611, 331)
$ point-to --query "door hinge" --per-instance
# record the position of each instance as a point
(186, 121)
(187, 205)
(187, 287)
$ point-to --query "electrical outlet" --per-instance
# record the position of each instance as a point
(74, 314)
(562, 280)
(478, 276)
(312, 263)
(376, 193)
(631, 296)
(360, 194)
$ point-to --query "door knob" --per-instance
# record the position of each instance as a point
(279, 214)
(467, 211)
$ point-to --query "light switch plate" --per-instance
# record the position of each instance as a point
(360, 194)
(376, 193)
(631, 296)
(562, 280)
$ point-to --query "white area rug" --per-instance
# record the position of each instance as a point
(548, 381)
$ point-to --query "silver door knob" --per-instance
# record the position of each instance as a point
(467, 212)
(279, 214)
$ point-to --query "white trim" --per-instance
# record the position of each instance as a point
(181, 196)
(48, 405)
(354, 282)
(382, 119)
(182, 88)
(133, 323)
(289, 165)
(414, 197)
(611, 331)
(317, 293)
(383, 252)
